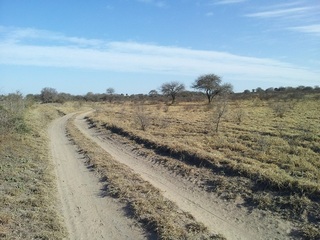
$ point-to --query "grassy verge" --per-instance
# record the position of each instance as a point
(27, 198)
(144, 201)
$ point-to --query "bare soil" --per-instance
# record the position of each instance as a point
(87, 214)
(90, 216)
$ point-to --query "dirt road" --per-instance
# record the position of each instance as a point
(89, 216)
(86, 214)
(229, 219)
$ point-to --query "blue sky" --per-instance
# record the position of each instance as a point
(136, 45)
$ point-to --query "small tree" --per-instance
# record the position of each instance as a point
(172, 89)
(142, 118)
(153, 93)
(211, 85)
(49, 95)
(110, 91)
(220, 109)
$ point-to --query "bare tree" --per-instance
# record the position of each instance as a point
(211, 85)
(219, 111)
(172, 89)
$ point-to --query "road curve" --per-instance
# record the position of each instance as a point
(87, 215)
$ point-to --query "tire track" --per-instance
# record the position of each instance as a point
(219, 216)
(87, 215)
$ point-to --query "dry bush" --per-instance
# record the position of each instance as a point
(12, 109)
(280, 109)
(239, 115)
(142, 119)
(219, 110)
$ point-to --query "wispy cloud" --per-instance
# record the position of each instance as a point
(279, 12)
(209, 14)
(16, 35)
(229, 1)
(156, 3)
(297, 15)
(313, 29)
(141, 57)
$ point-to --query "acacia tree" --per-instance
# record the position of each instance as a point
(172, 89)
(110, 91)
(211, 85)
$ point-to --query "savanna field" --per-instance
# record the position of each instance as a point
(265, 150)
(261, 151)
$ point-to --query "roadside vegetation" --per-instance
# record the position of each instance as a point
(27, 184)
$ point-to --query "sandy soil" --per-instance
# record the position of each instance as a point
(86, 213)
(228, 218)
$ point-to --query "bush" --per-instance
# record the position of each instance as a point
(280, 108)
(142, 119)
(12, 108)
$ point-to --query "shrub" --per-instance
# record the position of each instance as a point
(12, 108)
(280, 108)
(142, 119)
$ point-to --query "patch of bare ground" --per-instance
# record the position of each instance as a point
(183, 185)
(144, 201)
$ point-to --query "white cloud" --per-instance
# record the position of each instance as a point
(297, 15)
(157, 3)
(279, 12)
(15, 35)
(313, 29)
(229, 1)
(142, 58)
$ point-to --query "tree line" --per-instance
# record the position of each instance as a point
(208, 85)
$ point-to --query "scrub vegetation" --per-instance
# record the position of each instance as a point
(27, 196)
(261, 148)
(243, 147)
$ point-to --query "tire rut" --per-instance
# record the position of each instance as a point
(86, 214)
(228, 219)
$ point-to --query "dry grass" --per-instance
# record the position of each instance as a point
(146, 202)
(27, 184)
(27, 198)
(277, 153)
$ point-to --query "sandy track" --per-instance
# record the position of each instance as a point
(232, 221)
(86, 214)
